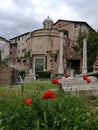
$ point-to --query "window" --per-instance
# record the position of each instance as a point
(23, 50)
(18, 38)
(59, 24)
(66, 33)
(10, 53)
(10, 45)
(49, 26)
(80, 24)
(75, 25)
(15, 39)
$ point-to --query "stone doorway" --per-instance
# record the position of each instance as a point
(75, 64)
(39, 64)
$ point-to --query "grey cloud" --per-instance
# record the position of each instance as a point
(87, 10)
(24, 15)
(18, 20)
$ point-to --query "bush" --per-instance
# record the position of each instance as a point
(43, 74)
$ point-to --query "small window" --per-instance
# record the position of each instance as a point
(10, 45)
(24, 61)
(80, 24)
(44, 25)
(18, 38)
(75, 25)
(18, 60)
(59, 24)
(66, 33)
(23, 50)
(48, 25)
(15, 39)
(10, 53)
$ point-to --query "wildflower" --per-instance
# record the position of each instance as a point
(66, 76)
(85, 77)
(88, 80)
(49, 95)
(28, 101)
(88, 113)
(55, 81)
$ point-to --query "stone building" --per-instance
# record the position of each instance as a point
(19, 52)
(4, 48)
(40, 50)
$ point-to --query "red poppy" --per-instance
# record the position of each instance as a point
(85, 77)
(49, 95)
(66, 76)
(88, 80)
(55, 81)
(28, 101)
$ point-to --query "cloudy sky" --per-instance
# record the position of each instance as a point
(21, 16)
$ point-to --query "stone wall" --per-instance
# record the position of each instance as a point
(5, 76)
(95, 66)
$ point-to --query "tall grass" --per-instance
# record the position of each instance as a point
(65, 112)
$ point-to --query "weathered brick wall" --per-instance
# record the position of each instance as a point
(5, 76)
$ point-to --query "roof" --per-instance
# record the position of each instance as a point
(83, 22)
(48, 20)
(4, 39)
(20, 35)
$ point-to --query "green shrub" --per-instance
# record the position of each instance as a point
(43, 74)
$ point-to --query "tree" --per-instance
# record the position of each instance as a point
(92, 46)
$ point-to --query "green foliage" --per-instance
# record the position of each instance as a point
(81, 36)
(92, 46)
(43, 74)
(27, 54)
(65, 112)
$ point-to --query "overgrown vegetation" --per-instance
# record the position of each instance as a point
(64, 112)
(43, 74)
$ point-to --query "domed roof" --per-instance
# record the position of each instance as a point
(48, 20)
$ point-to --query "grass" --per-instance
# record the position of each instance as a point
(66, 112)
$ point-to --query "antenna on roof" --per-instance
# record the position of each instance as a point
(48, 14)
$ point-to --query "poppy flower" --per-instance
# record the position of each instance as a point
(66, 76)
(55, 81)
(85, 77)
(88, 80)
(49, 95)
(28, 101)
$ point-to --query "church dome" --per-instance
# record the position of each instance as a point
(48, 23)
(48, 20)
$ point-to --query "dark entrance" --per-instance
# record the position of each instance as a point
(75, 64)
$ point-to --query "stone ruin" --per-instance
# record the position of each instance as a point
(5, 75)
(76, 84)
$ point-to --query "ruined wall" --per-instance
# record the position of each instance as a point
(5, 76)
